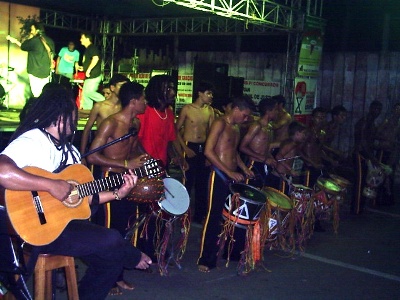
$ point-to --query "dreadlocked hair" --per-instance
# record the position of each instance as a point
(54, 102)
(156, 90)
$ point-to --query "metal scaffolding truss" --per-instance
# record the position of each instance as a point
(284, 15)
(239, 17)
(69, 21)
(188, 26)
(233, 17)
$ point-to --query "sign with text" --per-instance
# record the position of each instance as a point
(185, 91)
(259, 89)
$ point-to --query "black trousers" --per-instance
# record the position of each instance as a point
(105, 252)
(197, 177)
(219, 190)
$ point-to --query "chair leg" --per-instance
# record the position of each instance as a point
(44, 280)
(70, 275)
(40, 282)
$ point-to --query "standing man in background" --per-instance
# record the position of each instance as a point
(193, 124)
(281, 123)
(67, 63)
(102, 110)
(92, 68)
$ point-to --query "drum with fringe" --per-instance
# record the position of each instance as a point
(244, 204)
(280, 207)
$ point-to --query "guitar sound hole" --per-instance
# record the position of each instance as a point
(73, 199)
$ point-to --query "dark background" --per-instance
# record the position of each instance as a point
(352, 25)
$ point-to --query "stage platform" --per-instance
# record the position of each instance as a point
(9, 121)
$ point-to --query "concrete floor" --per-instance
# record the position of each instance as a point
(360, 262)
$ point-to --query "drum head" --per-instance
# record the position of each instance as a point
(329, 185)
(300, 187)
(343, 182)
(176, 201)
(248, 193)
(276, 198)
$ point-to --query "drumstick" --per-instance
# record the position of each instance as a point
(283, 159)
(169, 192)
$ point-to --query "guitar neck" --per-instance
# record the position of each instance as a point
(90, 188)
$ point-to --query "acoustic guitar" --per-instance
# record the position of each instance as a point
(39, 218)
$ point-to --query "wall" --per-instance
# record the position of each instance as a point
(355, 80)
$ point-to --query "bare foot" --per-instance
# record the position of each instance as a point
(125, 285)
(115, 291)
(204, 269)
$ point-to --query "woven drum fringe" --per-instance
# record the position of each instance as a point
(252, 252)
(163, 239)
(228, 229)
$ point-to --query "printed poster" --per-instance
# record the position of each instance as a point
(311, 47)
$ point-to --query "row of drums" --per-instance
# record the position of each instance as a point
(285, 221)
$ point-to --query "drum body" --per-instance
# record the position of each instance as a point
(326, 192)
(248, 207)
(280, 206)
(147, 190)
(301, 196)
(175, 199)
(303, 201)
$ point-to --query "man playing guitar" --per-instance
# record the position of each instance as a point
(41, 141)
(40, 50)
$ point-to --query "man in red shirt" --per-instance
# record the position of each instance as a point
(157, 135)
(157, 131)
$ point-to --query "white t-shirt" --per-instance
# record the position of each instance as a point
(34, 148)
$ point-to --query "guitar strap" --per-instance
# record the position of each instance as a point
(49, 52)
(63, 162)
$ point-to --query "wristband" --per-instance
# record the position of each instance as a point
(95, 199)
(116, 196)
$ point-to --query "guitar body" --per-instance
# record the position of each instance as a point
(24, 216)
